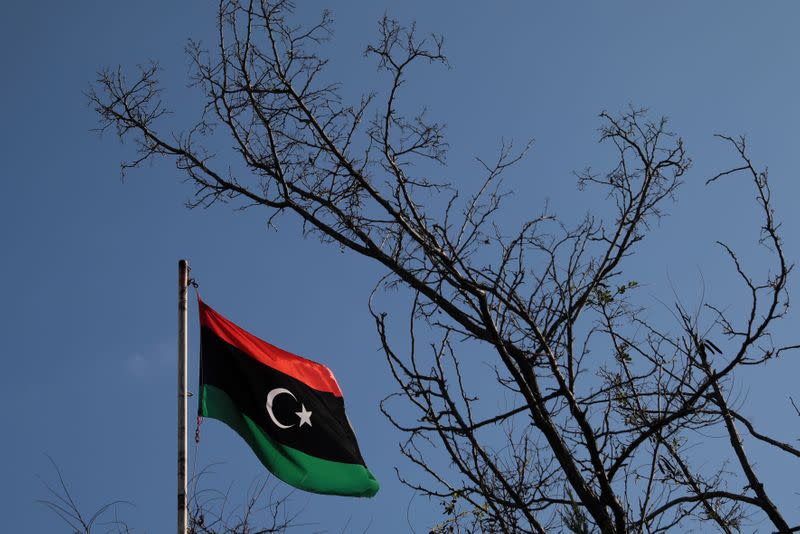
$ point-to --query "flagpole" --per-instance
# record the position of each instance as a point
(183, 285)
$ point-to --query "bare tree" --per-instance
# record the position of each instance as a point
(62, 503)
(211, 510)
(265, 510)
(604, 403)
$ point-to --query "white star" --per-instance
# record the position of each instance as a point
(304, 415)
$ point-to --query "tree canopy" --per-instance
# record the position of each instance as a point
(604, 402)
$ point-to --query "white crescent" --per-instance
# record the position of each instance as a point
(271, 397)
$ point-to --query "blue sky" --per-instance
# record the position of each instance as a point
(89, 261)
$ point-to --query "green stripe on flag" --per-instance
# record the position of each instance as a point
(294, 467)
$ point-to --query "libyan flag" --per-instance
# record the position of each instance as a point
(288, 409)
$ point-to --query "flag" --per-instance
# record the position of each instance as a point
(289, 409)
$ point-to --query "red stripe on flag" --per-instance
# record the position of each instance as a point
(313, 374)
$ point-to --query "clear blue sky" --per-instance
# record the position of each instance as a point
(87, 277)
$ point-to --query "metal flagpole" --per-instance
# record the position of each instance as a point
(183, 286)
